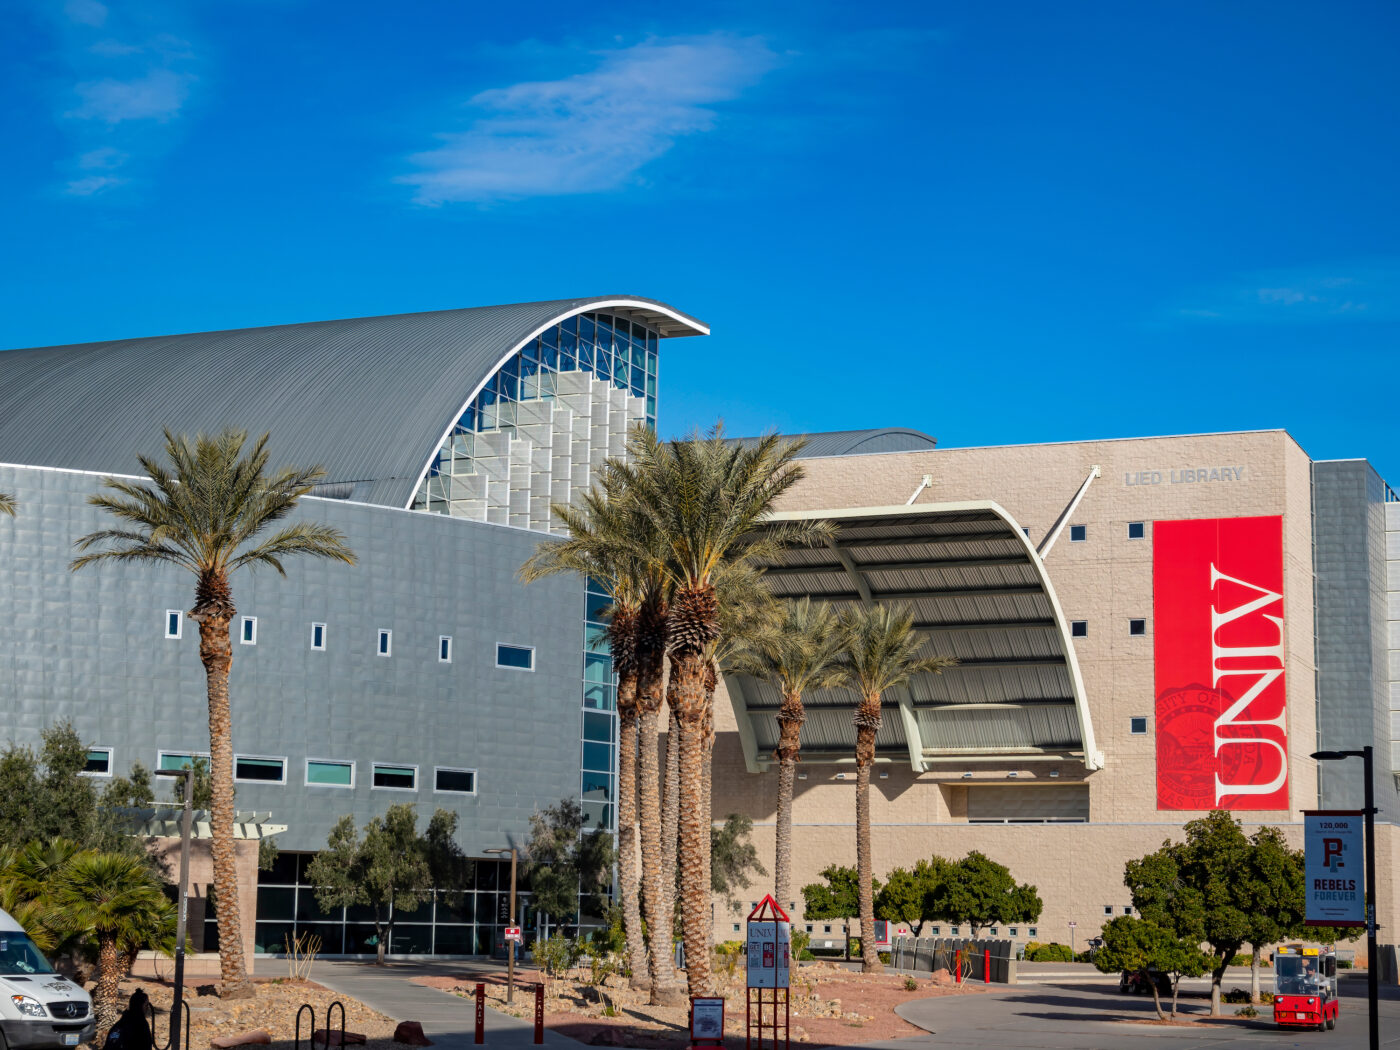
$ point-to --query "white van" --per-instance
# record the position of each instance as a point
(38, 1007)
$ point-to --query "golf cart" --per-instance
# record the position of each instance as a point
(1305, 987)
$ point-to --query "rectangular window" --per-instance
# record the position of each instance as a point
(1136, 530)
(179, 759)
(1127, 909)
(99, 762)
(517, 657)
(248, 632)
(992, 932)
(173, 621)
(326, 772)
(1034, 931)
(454, 781)
(953, 930)
(1108, 909)
(445, 649)
(826, 929)
(736, 927)
(809, 927)
(1079, 628)
(1078, 533)
(396, 778)
(254, 770)
(1136, 627)
(386, 642)
(934, 930)
(1137, 726)
(318, 636)
(1012, 931)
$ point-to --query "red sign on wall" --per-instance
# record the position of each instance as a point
(1222, 740)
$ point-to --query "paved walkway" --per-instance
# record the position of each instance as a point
(448, 1020)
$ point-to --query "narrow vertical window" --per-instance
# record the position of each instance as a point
(318, 636)
(248, 631)
(173, 623)
(445, 649)
(386, 642)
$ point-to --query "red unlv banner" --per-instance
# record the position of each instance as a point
(1222, 740)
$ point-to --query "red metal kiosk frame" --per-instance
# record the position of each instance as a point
(767, 1008)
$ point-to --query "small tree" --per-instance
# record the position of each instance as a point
(564, 859)
(908, 896)
(733, 858)
(979, 892)
(1142, 947)
(837, 898)
(390, 869)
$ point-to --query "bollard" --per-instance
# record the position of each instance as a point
(986, 966)
(539, 1014)
(957, 966)
(480, 1014)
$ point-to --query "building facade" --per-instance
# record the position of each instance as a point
(1146, 629)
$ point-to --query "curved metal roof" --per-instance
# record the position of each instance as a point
(981, 594)
(368, 398)
(859, 442)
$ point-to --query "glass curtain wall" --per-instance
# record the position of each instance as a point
(598, 786)
(469, 921)
(614, 349)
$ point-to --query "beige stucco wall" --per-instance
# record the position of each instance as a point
(1106, 580)
(167, 850)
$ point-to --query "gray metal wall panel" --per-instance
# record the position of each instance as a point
(1349, 562)
(89, 647)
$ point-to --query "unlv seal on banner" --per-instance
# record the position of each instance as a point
(1221, 698)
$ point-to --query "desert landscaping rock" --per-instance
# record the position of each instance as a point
(257, 1037)
(410, 1033)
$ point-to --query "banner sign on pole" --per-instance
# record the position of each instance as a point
(1333, 862)
(1222, 700)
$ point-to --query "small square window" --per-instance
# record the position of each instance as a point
(99, 762)
(516, 657)
(326, 772)
(454, 781)
(318, 636)
(1127, 909)
(445, 649)
(1108, 909)
(933, 930)
(992, 932)
(736, 927)
(386, 642)
(1033, 932)
(1078, 533)
(1012, 931)
(173, 622)
(1137, 627)
(259, 770)
(1136, 530)
(826, 929)
(395, 778)
(1137, 726)
(1079, 628)
(953, 930)
(248, 631)
(809, 927)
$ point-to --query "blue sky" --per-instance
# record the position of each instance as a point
(996, 222)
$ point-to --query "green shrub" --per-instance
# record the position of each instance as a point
(1344, 964)
(1053, 952)
(1235, 995)
(805, 955)
(884, 957)
(800, 940)
(911, 985)
(1246, 1011)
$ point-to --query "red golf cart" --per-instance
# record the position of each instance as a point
(1305, 987)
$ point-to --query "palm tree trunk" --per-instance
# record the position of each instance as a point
(707, 797)
(628, 860)
(109, 979)
(670, 803)
(216, 653)
(689, 670)
(790, 720)
(656, 890)
(867, 725)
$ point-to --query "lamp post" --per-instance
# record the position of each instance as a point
(178, 1004)
(1372, 978)
(510, 958)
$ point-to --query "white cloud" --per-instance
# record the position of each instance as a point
(90, 184)
(1362, 291)
(592, 131)
(85, 12)
(104, 158)
(157, 94)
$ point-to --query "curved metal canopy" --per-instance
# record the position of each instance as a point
(981, 594)
(368, 398)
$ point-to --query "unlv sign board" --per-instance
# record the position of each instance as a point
(1222, 739)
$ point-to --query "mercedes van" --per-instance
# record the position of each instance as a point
(38, 1007)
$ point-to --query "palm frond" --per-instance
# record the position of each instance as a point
(881, 649)
(8, 504)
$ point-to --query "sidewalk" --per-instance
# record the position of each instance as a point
(448, 1020)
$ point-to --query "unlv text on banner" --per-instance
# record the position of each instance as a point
(1222, 739)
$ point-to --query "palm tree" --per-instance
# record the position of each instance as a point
(115, 899)
(708, 501)
(801, 652)
(881, 652)
(7, 504)
(208, 513)
(592, 551)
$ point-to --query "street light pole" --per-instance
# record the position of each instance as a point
(1367, 756)
(510, 958)
(186, 816)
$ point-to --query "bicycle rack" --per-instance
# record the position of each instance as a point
(184, 1012)
(307, 1008)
